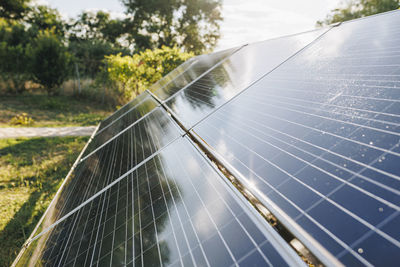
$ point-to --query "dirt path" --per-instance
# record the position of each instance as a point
(46, 132)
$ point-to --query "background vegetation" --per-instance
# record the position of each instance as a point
(39, 50)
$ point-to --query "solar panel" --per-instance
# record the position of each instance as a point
(173, 210)
(276, 153)
(233, 75)
(319, 138)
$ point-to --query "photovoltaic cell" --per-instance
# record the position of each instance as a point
(188, 72)
(174, 210)
(233, 75)
(319, 137)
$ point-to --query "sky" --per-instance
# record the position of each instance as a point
(245, 21)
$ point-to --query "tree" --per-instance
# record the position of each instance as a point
(190, 24)
(49, 61)
(359, 8)
(13, 9)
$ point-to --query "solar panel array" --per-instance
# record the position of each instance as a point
(302, 128)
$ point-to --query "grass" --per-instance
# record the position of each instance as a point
(54, 111)
(31, 171)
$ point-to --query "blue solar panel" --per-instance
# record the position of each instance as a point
(319, 138)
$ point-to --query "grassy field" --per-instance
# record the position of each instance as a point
(55, 111)
(31, 170)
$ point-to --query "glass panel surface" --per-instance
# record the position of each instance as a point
(319, 137)
(235, 74)
(174, 210)
(187, 73)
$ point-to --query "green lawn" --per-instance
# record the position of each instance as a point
(54, 111)
(31, 170)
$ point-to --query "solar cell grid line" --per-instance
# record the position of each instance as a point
(227, 79)
(122, 110)
(202, 65)
(281, 136)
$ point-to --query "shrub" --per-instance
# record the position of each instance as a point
(128, 76)
(49, 61)
(22, 119)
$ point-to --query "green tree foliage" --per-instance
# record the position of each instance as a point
(131, 75)
(43, 18)
(359, 8)
(49, 61)
(190, 24)
(13, 9)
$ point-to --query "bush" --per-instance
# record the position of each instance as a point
(49, 61)
(128, 76)
(21, 119)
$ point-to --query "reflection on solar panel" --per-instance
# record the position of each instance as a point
(282, 152)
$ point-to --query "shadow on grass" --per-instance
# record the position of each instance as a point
(59, 154)
(18, 230)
